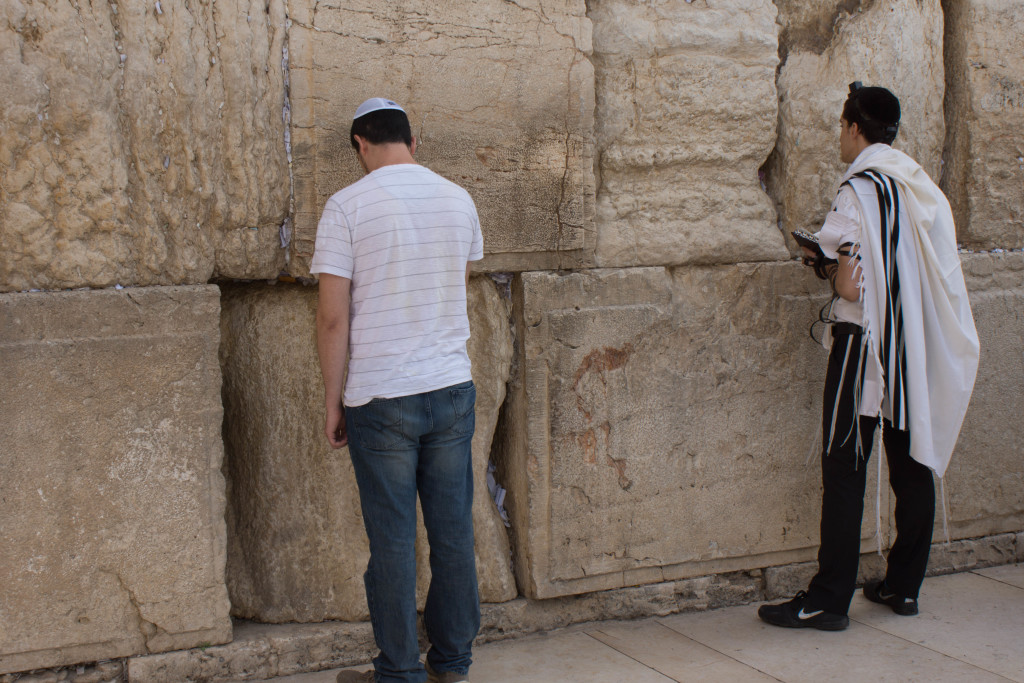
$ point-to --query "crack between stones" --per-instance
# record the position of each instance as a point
(561, 200)
(311, 27)
(214, 61)
(542, 17)
(152, 629)
(565, 168)
(765, 172)
(285, 231)
(115, 24)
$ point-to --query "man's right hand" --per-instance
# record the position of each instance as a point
(809, 256)
(334, 427)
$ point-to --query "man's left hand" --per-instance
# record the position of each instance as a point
(334, 427)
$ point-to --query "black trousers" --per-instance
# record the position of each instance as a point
(844, 475)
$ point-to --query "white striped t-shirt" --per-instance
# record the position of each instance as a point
(403, 235)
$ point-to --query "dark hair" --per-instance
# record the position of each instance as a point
(382, 126)
(876, 111)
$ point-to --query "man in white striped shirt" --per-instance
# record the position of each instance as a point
(393, 252)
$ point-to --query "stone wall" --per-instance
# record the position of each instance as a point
(646, 385)
(828, 45)
(639, 463)
(501, 98)
(985, 482)
(984, 116)
(141, 143)
(652, 451)
(298, 550)
(261, 651)
(686, 112)
(111, 498)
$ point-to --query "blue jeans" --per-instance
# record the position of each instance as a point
(401, 446)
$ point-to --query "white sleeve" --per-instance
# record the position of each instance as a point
(476, 250)
(842, 224)
(333, 251)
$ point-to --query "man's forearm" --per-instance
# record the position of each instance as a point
(332, 347)
(847, 279)
(332, 328)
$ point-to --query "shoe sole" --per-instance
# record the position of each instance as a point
(903, 609)
(837, 626)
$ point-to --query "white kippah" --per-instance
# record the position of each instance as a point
(375, 104)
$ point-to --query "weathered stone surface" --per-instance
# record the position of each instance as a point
(264, 651)
(520, 617)
(261, 651)
(490, 348)
(897, 45)
(944, 558)
(809, 26)
(984, 59)
(500, 94)
(686, 114)
(101, 672)
(785, 581)
(111, 496)
(984, 481)
(661, 403)
(142, 143)
(653, 410)
(973, 553)
(298, 550)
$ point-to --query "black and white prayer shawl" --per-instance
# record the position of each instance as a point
(919, 329)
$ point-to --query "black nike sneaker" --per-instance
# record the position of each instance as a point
(795, 614)
(877, 591)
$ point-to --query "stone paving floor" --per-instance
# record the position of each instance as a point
(971, 628)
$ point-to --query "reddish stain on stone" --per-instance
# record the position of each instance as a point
(599, 361)
(588, 442)
(619, 465)
(602, 361)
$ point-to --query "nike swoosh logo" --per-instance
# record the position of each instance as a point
(804, 615)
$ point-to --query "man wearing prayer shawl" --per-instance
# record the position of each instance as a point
(904, 351)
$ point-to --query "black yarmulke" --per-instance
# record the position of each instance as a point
(877, 104)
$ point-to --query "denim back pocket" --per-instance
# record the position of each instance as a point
(463, 404)
(377, 424)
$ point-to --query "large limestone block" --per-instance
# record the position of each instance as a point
(298, 549)
(143, 143)
(500, 95)
(111, 495)
(662, 424)
(686, 115)
(984, 175)
(897, 45)
(985, 481)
